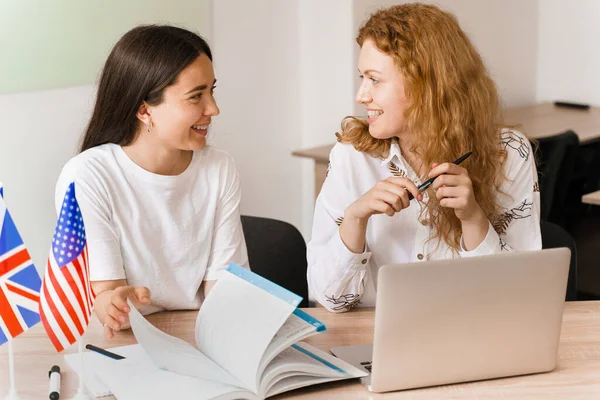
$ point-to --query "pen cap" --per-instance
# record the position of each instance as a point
(55, 368)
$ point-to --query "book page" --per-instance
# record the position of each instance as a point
(301, 365)
(139, 378)
(296, 382)
(174, 354)
(298, 326)
(239, 318)
(292, 361)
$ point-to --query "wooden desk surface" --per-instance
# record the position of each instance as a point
(576, 377)
(542, 120)
(536, 121)
(591, 198)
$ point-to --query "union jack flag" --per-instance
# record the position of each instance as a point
(67, 298)
(19, 281)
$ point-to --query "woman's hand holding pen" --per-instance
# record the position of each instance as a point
(388, 196)
(112, 308)
(454, 189)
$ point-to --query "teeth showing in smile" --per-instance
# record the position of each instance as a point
(374, 113)
(200, 127)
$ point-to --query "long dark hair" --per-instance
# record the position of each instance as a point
(144, 62)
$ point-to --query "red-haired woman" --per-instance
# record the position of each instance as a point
(429, 99)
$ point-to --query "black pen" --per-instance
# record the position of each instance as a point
(106, 353)
(429, 181)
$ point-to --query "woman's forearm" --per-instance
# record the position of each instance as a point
(352, 232)
(474, 231)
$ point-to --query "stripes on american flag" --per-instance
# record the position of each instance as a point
(19, 281)
(67, 298)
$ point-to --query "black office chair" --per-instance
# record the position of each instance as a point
(556, 156)
(554, 236)
(277, 252)
(585, 179)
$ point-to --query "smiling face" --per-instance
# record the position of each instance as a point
(182, 119)
(382, 92)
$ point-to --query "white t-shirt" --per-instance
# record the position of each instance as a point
(340, 279)
(168, 233)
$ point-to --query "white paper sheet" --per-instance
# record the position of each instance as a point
(90, 359)
(174, 354)
(135, 379)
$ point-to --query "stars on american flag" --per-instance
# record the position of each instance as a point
(69, 236)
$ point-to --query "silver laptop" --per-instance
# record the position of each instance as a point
(465, 319)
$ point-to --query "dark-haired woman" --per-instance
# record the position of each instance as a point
(160, 207)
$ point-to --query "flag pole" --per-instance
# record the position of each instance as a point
(12, 391)
(81, 393)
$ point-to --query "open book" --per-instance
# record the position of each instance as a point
(247, 335)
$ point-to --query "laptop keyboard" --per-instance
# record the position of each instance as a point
(367, 365)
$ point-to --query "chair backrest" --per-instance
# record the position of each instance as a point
(277, 251)
(556, 156)
(585, 179)
(554, 236)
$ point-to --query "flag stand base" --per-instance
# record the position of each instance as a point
(12, 395)
(81, 396)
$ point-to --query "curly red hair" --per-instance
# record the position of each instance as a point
(452, 103)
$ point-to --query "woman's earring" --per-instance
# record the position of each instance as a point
(149, 126)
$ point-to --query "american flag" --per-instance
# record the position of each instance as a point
(19, 281)
(66, 300)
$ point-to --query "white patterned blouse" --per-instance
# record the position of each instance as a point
(339, 279)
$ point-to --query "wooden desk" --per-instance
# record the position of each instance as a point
(543, 120)
(536, 121)
(576, 377)
(592, 198)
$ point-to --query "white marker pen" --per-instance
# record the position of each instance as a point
(54, 390)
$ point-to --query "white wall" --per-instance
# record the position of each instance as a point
(503, 31)
(39, 132)
(327, 95)
(569, 58)
(63, 43)
(256, 62)
(284, 73)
